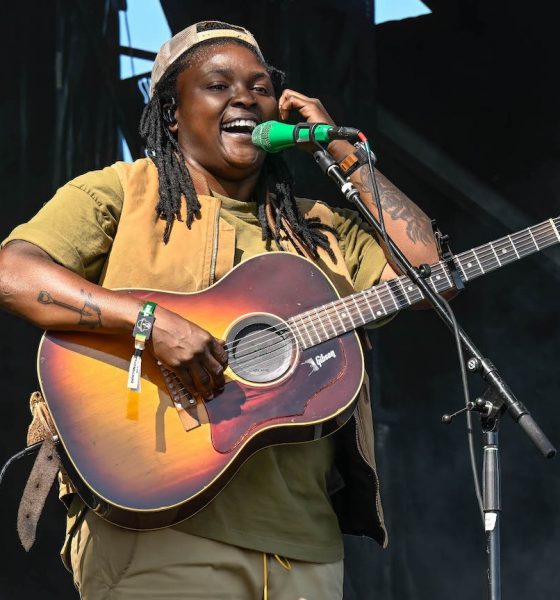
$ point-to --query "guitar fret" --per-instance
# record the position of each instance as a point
(366, 294)
(330, 320)
(463, 272)
(347, 314)
(445, 271)
(296, 333)
(513, 245)
(379, 298)
(478, 261)
(314, 329)
(322, 325)
(388, 286)
(359, 310)
(495, 254)
(533, 238)
(375, 312)
(414, 290)
(506, 255)
(473, 266)
(305, 329)
(404, 291)
(339, 318)
(542, 234)
(435, 278)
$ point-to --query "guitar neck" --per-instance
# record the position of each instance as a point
(346, 314)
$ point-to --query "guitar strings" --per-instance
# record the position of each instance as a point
(488, 256)
(385, 292)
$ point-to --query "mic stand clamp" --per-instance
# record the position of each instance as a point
(491, 408)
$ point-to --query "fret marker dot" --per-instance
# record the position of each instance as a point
(410, 288)
(379, 312)
(469, 265)
(438, 276)
(504, 250)
(343, 315)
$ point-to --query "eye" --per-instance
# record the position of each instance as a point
(217, 86)
(261, 89)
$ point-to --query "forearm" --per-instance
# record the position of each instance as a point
(407, 225)
(34, 287)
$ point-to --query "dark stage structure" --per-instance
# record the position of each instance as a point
(461, 108)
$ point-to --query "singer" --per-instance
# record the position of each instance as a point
(204, 200)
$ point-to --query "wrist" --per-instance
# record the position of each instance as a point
(339, 149)
(126, 313)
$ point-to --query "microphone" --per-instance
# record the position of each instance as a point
(273, 136)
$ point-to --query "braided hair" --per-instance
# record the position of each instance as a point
(175, 180)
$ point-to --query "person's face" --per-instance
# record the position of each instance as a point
(220, 100)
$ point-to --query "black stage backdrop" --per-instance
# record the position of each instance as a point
(461, 108)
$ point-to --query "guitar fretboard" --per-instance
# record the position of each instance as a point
(335, 318)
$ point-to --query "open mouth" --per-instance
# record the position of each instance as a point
(243, 126)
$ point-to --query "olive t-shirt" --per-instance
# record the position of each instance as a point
(278, 501)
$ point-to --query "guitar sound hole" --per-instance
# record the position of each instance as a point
(260, 348)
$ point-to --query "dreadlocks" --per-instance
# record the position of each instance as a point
(162, 147)
(175, 180)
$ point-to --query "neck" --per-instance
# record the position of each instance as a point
(238, 190)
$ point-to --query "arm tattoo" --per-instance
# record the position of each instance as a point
(90, 313)
(398, 206)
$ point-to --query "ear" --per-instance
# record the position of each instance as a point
(169, 109)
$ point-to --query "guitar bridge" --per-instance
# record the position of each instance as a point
(190, 411)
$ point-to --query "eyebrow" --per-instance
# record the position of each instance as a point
(229, 73)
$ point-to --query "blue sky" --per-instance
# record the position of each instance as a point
(394, 10)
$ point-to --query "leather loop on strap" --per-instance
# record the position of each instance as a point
(35, 493)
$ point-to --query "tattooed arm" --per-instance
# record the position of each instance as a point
(406, 224)
(33, 286)
(36, 288)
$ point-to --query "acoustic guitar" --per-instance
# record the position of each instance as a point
(148, 459)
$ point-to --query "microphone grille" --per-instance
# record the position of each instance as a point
(261, 136)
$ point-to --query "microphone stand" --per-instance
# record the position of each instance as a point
(497, 399)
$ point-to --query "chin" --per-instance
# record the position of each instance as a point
(246, 161)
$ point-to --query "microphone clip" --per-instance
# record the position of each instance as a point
(330, 132)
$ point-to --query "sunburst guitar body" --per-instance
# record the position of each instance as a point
(149, 459)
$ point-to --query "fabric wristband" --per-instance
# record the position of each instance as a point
(141, 333)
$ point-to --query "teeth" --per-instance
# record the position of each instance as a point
(251, 123)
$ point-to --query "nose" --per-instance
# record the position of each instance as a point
(243, 96)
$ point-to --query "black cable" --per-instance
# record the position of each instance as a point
(29, 450)
(449, 310)
(466, 394)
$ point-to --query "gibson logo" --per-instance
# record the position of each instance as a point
(316, 363)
